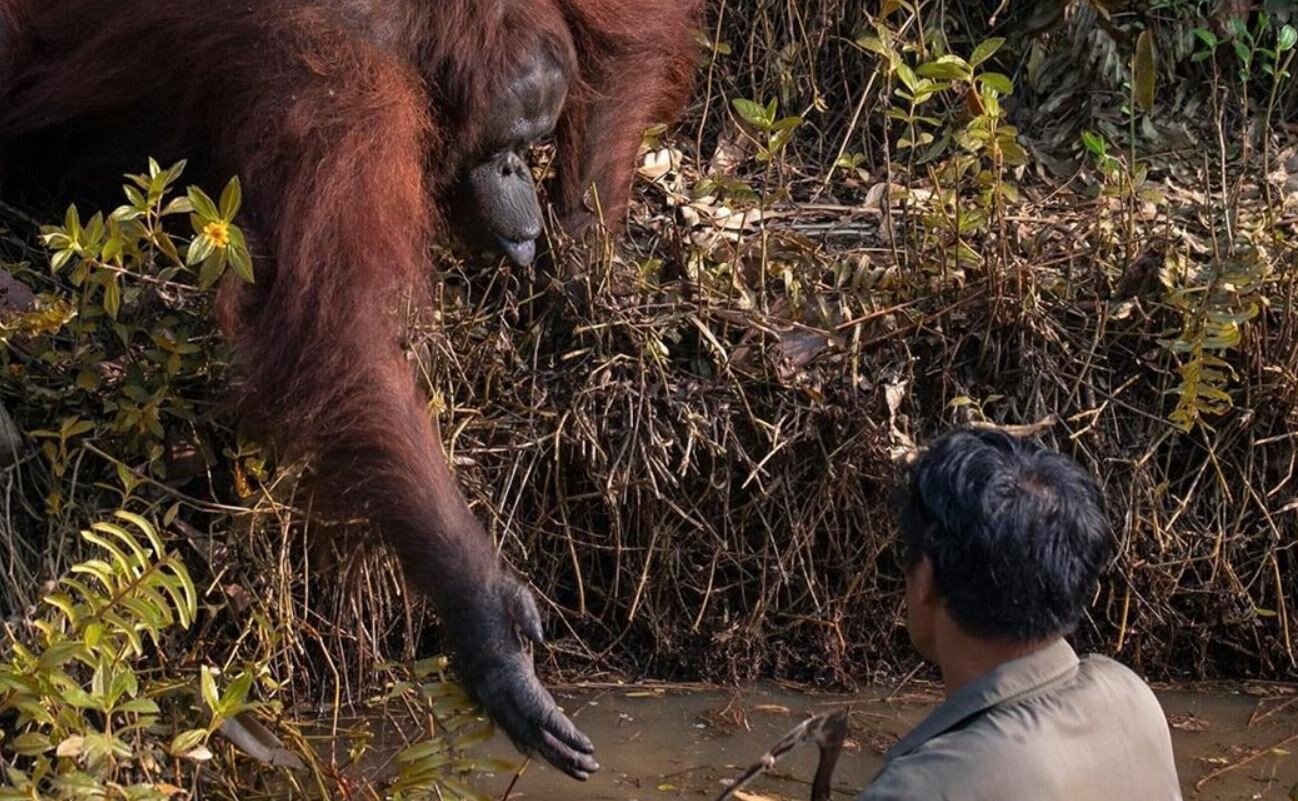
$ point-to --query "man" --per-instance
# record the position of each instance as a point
(1004, 541)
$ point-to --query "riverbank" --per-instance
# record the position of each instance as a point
(679, 743)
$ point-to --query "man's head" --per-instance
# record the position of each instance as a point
(1002, 536)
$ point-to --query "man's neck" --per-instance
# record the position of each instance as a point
(963, 658)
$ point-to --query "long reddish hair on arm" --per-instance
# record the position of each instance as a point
(636, 68)
(349, 122)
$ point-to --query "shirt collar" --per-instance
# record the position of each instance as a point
(1003, 683)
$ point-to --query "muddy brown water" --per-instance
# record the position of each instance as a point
(664, 744)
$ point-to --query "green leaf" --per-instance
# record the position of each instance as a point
(199, 249)
(1094, 143)
(139, 203)
(168, 247)
(140, 706)
(175, 170)
(60, 260)
(752, 113)
(31, 744)
(124, 683)
(1242, 52)
(112, 297)
(137, 551)
(95, 228)
(207, 685)
(872, 43)
(236, 694)
(75, 427)
(113, 248)
(1286, 39)
(946, 68)
(59, 654)
(179, 205)
(126, 567)
(240, 259)
(985, 50)
(907, 76)
(185, 741)
(1013, 153)
(231, 199)
(212, 269)
(203, 204)
(997, 82)
(72, 223)
(1144, 75)
(146, 528)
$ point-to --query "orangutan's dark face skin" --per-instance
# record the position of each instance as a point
(499, 183)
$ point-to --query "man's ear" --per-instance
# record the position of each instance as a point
(924, 581)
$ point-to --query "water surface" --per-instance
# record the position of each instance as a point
(664, 744)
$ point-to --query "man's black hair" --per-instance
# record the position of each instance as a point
(1016, 533)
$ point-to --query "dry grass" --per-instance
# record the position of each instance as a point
(691, 451)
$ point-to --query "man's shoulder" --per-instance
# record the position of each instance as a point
(1116, 679)
(922, 774)
(962, 764)
(1107, 665)
(1042, 744)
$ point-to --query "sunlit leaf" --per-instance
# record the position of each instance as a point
(997, 82)
(203, 205)
(985, 50)
(1144, 75)
(186, 741)
(231, 199)
(1286, 39)
(752, 113)
(30, 744)
(199, 249)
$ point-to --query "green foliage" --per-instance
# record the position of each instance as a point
(93, 709)
(773, 135)
(776, 131)
(1214, 301)
(437, 767)
(126, 358)
(1128, 185)
(218, 242)
(103, 250)
(85, 707)
(1251, 47)
(970, 141)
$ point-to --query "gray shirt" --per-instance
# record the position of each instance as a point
(1046, 727)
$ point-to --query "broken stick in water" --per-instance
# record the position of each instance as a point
(827, 730)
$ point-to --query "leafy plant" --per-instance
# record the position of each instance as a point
(125, 358)
(776, 131)
(437, 767)
(1214, 301)
(92, 708)
(84, 710)
(99, 251)
(985, 147)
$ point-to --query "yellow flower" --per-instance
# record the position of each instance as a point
(219, 232)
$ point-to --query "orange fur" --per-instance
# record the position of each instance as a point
(346, 119)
